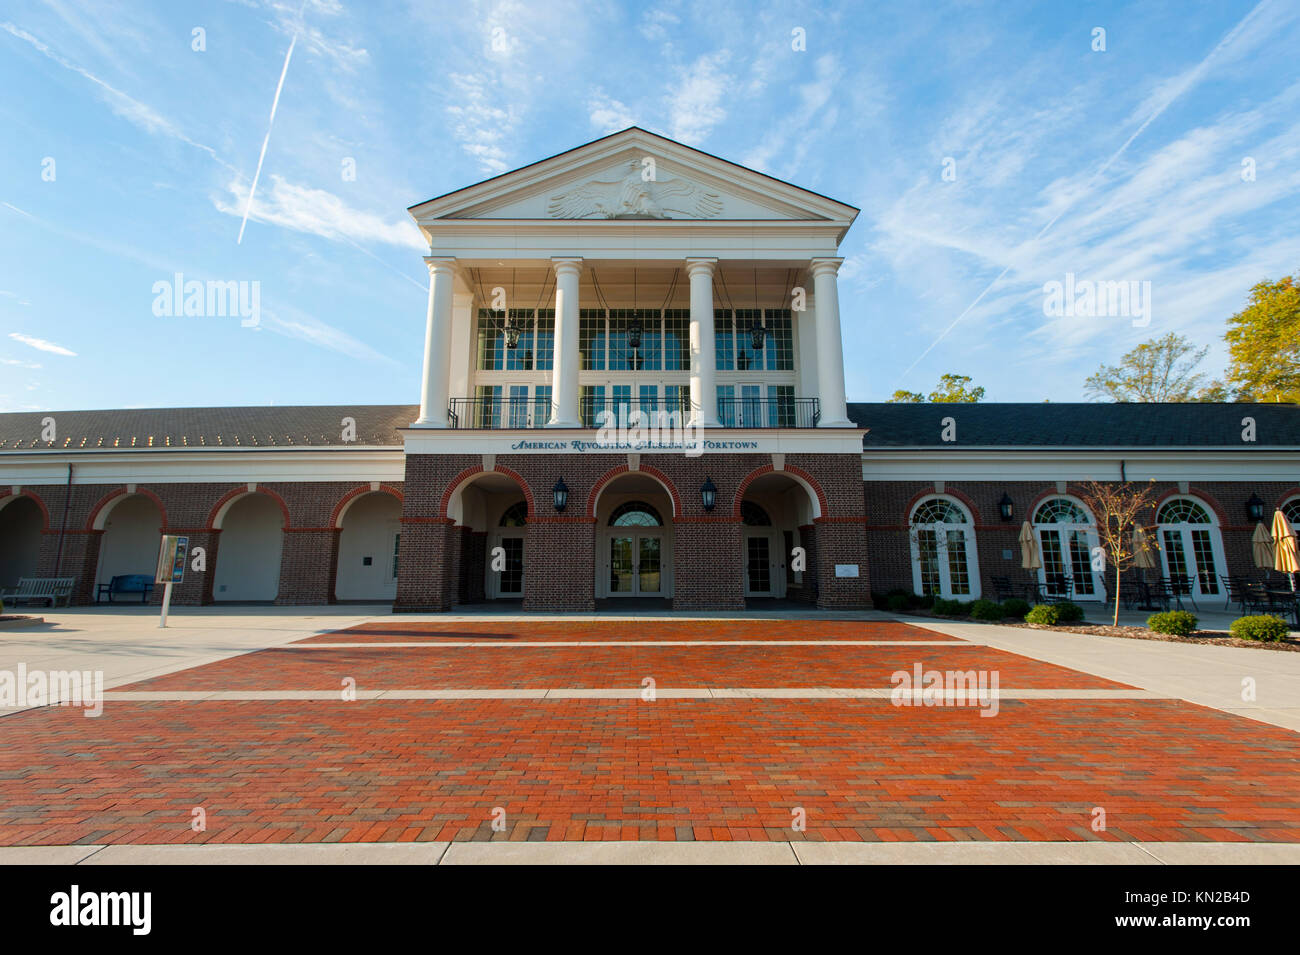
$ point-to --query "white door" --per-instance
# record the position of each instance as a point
(505, 567)
(764, 568)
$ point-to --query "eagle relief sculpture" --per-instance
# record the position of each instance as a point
(634, 197)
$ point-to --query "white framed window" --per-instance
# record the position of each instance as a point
(1190, 544)
(1291, 509)
(944, 559)
(1066, 535)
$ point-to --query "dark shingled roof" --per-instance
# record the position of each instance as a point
(898, 426)
(1044, 425)
(171, 428)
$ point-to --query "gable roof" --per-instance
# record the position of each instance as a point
(170, 429)
(610, 144)
(1078, 425)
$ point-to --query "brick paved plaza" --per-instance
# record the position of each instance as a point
(702, 761)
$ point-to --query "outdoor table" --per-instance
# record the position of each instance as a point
(1285, 600)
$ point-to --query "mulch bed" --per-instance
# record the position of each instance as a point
(1218, 638)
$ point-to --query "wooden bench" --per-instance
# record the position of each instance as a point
(141, 584)
(52, 589)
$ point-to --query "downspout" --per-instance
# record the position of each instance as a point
(1122, 475)
(67, 501)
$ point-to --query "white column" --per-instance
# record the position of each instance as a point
(564, 369)
(437, 344)
(704, 392)
(830, 346)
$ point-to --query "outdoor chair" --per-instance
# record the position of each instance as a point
(1060, 588)
(1002, 589)
(1180, 585)
(1235, 587)
(1160, 594)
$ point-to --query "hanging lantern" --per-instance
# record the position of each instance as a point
(634, 332)
(757, 334)
(512, 330)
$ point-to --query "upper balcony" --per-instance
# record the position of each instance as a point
(505, 413)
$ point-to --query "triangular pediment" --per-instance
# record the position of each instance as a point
(634, 174)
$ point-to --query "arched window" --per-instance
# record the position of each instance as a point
(1292, 511)
(752, 515)
(1066, 536)
(944, 562)
(1190, 545)
(635, 514)
(516, 515)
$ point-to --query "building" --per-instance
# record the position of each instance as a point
(633, 387)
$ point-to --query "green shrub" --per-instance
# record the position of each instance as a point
(1068, 612)
(879, 601)
(1015, 607)
(926, 601)
(1049, 615)
(1179, 623)
(949, 608)
(898, 603)
(1259, 627)
(986, 610)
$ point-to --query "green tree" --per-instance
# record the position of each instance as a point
(1264, 343)
(1161, 369)
(952, 389)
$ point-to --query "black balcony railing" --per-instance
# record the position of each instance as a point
(783, 412)
(519, 413)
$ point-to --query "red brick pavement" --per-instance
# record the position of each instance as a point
(433, 668)
(672, 769)
(625, 629)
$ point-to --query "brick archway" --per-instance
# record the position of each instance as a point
(458, 483)
(45, 511)
(599, 486)
(347, 500)
(222, 507)
(106, 503)
(798, 475)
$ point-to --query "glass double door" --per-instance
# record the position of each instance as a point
(764, 568)
(636, 565)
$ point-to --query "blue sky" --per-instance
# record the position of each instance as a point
(1117, 165)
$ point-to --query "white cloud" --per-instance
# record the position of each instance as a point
(654, 23)
(696, 105)
(19, 364)
(41, 344)
(608, 115)
(292, 323)
(318, 212)
(127, 107)
(479, 125)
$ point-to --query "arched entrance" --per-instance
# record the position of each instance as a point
(21, 521)
(773, 508)
(370, 534)
(132, 526)
(248, 552)
(492, 509)
(634, 538)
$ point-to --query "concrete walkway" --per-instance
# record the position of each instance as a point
(667, 853)
(1219, 677)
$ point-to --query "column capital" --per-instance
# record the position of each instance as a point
(567, 264)
(823, 266)
(694, 265)
(440, 263)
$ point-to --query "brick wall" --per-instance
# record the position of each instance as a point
(888, 502)
(309, 552)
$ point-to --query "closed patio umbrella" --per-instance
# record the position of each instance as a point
(1029, 558)
(1285, 556)
(1143, 558)
(1261, 546)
